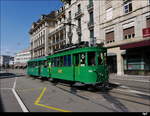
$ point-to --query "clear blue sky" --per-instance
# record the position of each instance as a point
(16, 17)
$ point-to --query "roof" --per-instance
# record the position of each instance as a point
(38, 59)
(78, 50)
(24, 51)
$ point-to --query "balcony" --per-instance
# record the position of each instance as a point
(90, 7)
(93, 41)
(78, 30)
(69, 19)
(146, 32)
(90, 24)
(78, 14)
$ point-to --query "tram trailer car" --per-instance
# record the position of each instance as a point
(85, 65)
(38, 67)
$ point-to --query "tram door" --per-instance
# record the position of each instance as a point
(79, 66)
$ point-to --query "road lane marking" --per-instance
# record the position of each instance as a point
(6, 88)
(23, 107)
(41, 95)
(14, 83)
(134, 91)
(125, 87)
(145, 81)
(138, 92)
(49, 107)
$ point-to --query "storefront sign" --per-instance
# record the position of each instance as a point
(146, 32)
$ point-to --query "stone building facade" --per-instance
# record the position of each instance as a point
(21, 58)
(39, 35)
(123, 26)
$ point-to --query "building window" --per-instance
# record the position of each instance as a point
(127, 6)
(109, 14)
(129, 33)
(90, 1)
(69, 14)
(91, 17)
(109, 37)
(79, 8)
(91, 33)
(79, 23)
(148, 22)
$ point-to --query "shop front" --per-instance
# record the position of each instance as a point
(137, 58)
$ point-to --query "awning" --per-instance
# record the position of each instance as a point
(134, 45)
(111, 54)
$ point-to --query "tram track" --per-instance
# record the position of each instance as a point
(84, 94)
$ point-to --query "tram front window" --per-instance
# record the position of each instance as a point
(82, 59)
(102, 58)
(91, 59)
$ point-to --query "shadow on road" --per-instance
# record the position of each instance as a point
(9, 75)
(1, 105)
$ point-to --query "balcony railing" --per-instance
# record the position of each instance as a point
(69, 19)
(78, 30)
(90, 24)
(93, 41)
(90, 6)
(78, 14)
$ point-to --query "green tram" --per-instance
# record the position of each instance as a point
(84, 65)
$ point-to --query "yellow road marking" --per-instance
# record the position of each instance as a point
(49, 107)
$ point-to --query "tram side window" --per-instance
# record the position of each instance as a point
(52, 61)
(91, 58)
(82, 59)
(76, 60)
(61, 61)
(65, 60)
(69, 60)
(58, 61)
(102, 58)
(45, 63)
(33, 64)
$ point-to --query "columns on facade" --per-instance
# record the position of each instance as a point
(120, 69)
(64, 36)
(59, 39)
(46, 41)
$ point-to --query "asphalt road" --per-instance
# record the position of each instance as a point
(20, 93)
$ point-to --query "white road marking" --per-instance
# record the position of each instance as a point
(145, 81)
(6, 88)
(116, 83)
(23, 107)
(14, 83)
(124, 87)
(138, 92)
(134, 91)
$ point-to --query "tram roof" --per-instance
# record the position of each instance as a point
(78, 50)
(37, 59)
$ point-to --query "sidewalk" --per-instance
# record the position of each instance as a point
(130, 77)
